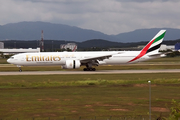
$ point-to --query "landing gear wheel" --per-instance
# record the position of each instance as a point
(89, 69)
(20, 70)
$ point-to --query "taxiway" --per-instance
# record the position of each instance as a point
(90, 72)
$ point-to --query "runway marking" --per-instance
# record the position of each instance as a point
(90, 72)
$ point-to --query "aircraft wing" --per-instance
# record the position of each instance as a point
(98, 57)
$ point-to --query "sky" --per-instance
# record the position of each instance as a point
(107, 16)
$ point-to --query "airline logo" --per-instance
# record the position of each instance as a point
(151, 46)
(42, 58)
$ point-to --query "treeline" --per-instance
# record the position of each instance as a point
(89, 45)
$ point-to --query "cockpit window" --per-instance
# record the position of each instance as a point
(11, 57)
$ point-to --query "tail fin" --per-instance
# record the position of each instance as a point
(153, 46)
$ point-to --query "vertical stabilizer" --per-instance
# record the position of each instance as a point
(153, 46)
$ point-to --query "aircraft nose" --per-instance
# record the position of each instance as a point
(8, 60)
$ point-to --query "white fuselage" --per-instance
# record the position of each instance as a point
(60, 58)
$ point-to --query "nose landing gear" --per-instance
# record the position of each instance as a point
(20, 70)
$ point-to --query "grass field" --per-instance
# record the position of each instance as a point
(117, 67)
(86, 96)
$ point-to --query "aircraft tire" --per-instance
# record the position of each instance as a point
(89, 69)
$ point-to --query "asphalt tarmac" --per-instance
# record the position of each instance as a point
(90, 72)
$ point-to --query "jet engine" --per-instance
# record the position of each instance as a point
(71, 64)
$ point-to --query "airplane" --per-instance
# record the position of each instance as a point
(73, 60)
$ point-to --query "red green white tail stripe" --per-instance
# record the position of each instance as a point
(153, 46)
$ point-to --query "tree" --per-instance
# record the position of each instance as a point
(175, 111)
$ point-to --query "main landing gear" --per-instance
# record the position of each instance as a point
(89, 69)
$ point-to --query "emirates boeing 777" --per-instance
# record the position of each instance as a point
(73, 60)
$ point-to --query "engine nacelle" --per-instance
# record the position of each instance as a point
(72, 64)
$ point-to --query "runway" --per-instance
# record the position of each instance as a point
(90, 72)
